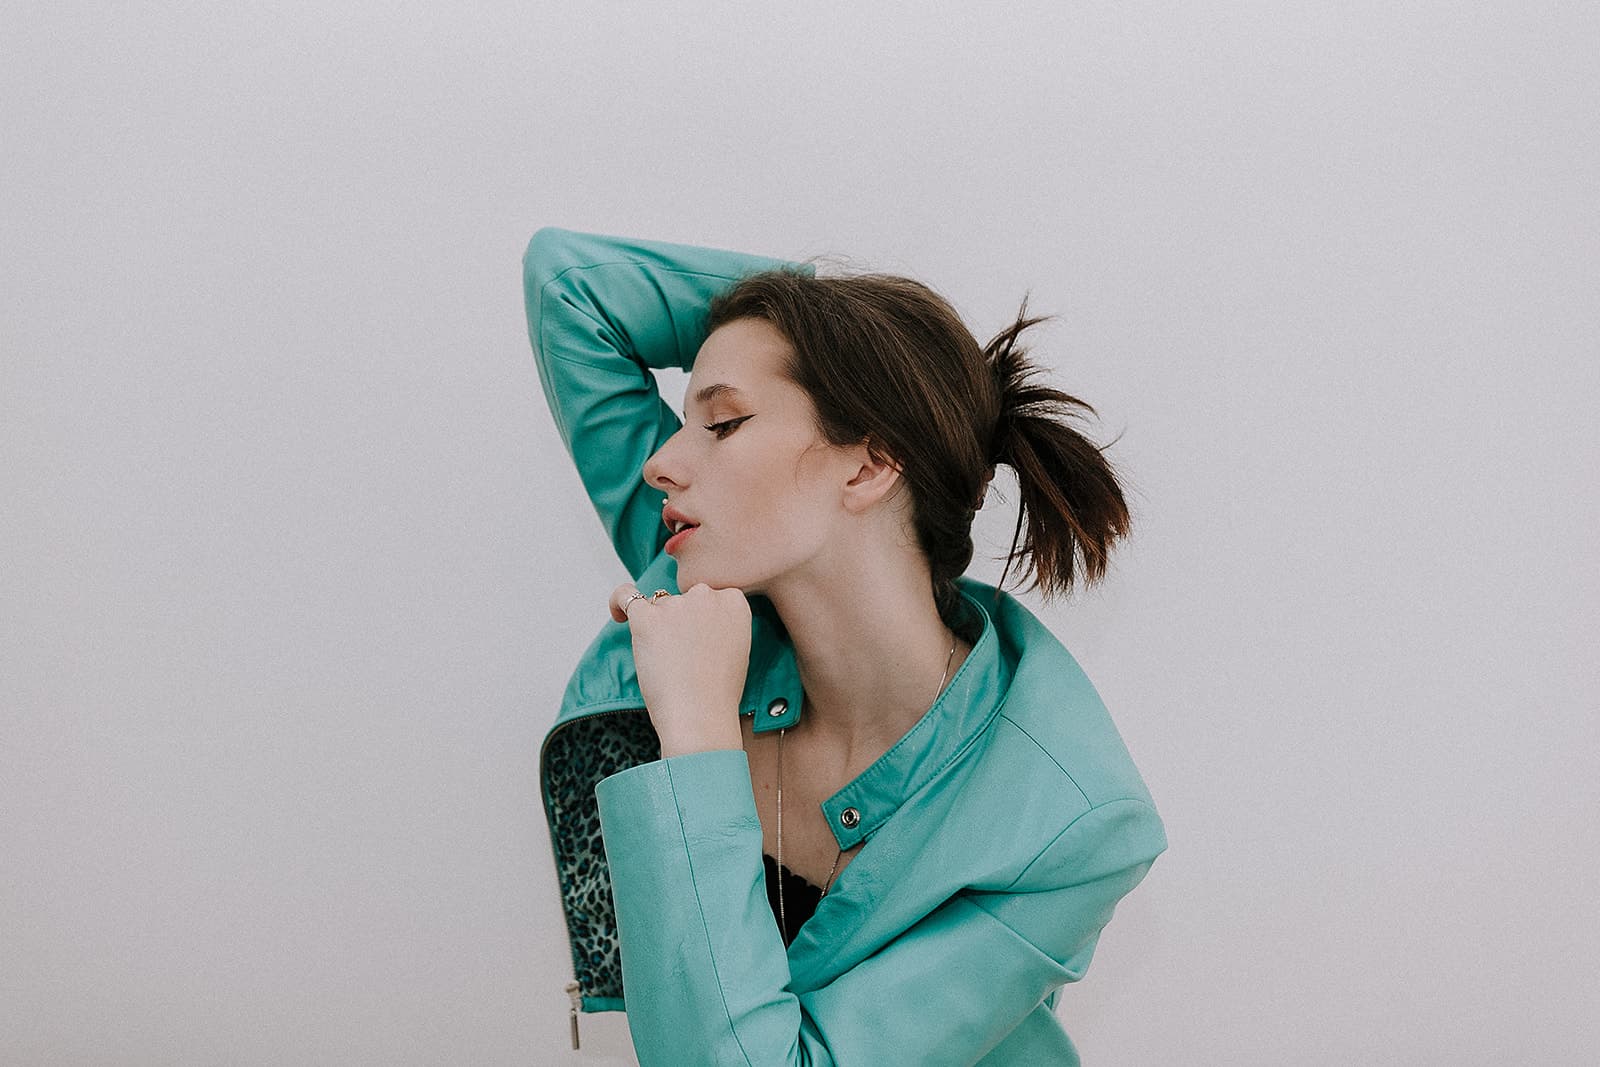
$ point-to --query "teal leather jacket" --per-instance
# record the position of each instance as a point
(1000, 831)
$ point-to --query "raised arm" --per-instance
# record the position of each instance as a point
(602, 312)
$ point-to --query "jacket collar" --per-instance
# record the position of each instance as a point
(606, 681)
(772, 694)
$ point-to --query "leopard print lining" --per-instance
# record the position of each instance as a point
(577, 756)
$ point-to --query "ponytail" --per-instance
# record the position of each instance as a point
(1072, 504)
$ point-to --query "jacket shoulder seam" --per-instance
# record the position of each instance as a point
(1051, 757)
(1067, 829)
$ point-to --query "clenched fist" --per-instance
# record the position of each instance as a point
(691, 652)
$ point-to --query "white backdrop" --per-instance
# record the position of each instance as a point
(295, 569)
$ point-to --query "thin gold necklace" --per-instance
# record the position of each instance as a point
(783, 919)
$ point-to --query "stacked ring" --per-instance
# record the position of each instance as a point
(657, 595)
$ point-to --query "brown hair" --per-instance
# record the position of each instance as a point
(887, 361)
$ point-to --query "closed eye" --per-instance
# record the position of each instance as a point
(723, 429)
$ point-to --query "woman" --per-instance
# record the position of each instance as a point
(816, 797)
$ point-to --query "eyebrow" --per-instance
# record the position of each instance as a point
(711, 392)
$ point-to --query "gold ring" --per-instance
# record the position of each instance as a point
(659, 593)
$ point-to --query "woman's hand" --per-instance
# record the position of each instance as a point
(691, 652)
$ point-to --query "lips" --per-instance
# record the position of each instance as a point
(675, 543)
(675, 520)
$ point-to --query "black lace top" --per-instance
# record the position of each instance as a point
(799, 897)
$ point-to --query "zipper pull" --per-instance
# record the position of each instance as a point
(572, 991)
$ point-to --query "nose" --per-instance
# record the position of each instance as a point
(656, 468)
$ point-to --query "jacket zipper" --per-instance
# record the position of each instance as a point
(572, 989)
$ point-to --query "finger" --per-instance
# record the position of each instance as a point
(619, 599)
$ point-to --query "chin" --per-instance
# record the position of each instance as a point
(690, 576)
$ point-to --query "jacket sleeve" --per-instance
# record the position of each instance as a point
(705, 974)
(602, 313)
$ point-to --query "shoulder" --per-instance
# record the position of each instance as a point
(1047, 704)
(1053, 732)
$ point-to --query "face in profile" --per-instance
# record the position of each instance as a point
(762, 485)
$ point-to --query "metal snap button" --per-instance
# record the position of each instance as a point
(850, 818)
(777, 707)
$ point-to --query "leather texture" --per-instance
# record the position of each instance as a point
(1000, 832)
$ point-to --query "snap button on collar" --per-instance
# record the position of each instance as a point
(777, 707)
(849, 818)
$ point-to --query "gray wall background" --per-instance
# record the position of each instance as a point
(294, 567)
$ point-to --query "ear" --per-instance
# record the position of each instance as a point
(876, 477)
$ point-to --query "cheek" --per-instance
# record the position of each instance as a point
(780, 500)
(793, 522)
(758, 516)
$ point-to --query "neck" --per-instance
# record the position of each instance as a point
(871, 650)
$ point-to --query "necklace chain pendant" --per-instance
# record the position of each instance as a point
(783, 919)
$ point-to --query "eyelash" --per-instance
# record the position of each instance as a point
(723, 429)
